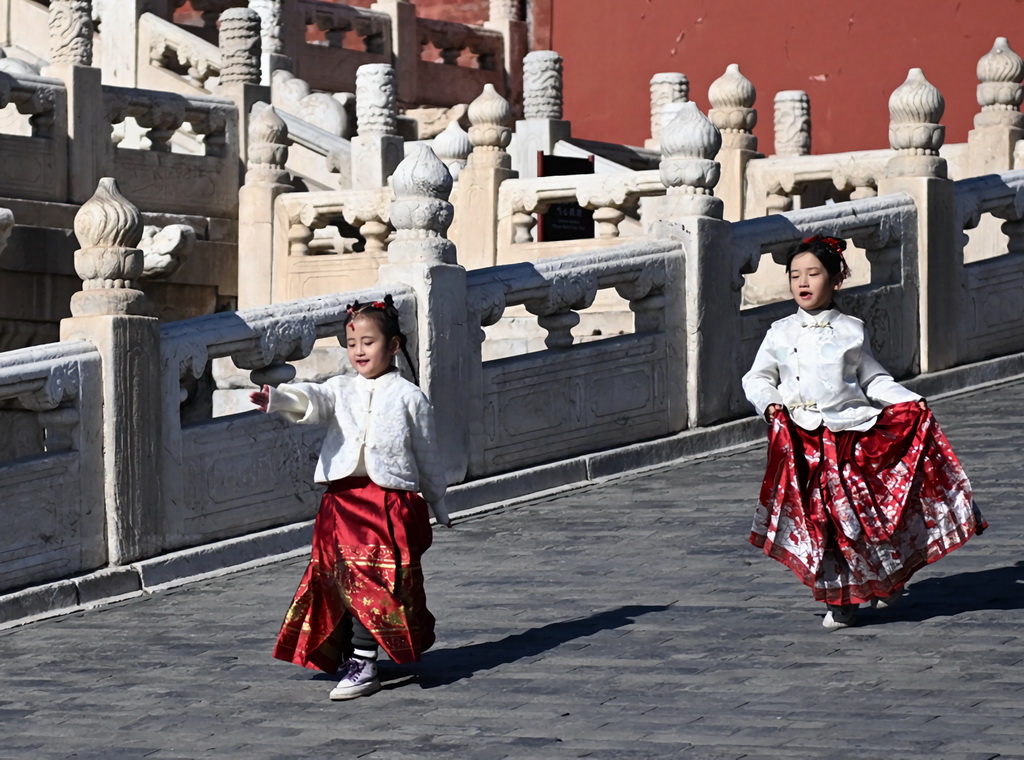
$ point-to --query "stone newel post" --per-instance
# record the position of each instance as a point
(475, 231)
(999, 125)
(71, 32)
(792, 123)
(669, 90)
(377, 149)
(690, 212)
(111, 313)
(421, 257)
(915, 108)
(542, 125)
(732, 98)
(265, 179)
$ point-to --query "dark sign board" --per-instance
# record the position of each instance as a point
(564, 221)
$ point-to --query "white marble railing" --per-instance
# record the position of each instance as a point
(173, 58)
(611, 197)
(36, 154)
(574, 398)
(52, 480)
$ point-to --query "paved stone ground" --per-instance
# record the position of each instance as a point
(625, 620)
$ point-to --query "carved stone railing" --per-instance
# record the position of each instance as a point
(52, 477)
(35, 162)
(333, 241)
(484, 48)
(887, 300)
(207, 496)
(573, 398)
(331, 66)
(611, 197)
(144, 174)
(989, 318)
(174, 59)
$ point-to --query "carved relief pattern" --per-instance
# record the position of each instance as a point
(375, 99)
(267, 148)
(62, 382)
(792, 123)
(915, 108)
(71, 32)
(1000, 72)
(732, 98)
(281, 340)
(240, 46)
(542, 85)
(109, 228)
(185, 357)
(165, 249)
(270, 24)
(689, 145)
(666, 88)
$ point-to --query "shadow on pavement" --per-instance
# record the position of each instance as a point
(1000, 588)
(445, 666)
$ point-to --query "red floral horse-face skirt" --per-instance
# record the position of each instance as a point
(855, 514)
(367, 544)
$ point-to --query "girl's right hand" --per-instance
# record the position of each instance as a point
(772, 411)
(261, 398)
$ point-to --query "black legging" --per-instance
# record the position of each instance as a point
(361, 637)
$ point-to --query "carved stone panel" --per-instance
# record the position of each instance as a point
(49, 531)
(245, 473)
(995, 302)
(555, 404)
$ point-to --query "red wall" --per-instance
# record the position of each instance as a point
(848, 57)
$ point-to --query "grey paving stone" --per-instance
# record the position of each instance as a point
(630, 619)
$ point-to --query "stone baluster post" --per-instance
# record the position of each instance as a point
(669, 90)
(934, 263)
(690, 211)
(999, 125)
(476, 197)
(240, 47)
(732, 99)
(504, 18)
(453, 147)
(265, 180)
(112, 313)
(404, 48)
(71, 32)
(792, 123)
(542, 125)
(88, 132)
(421, 257)
(272, 37)
(376, 149)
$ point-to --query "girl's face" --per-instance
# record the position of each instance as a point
(368, 350)
(810, 283)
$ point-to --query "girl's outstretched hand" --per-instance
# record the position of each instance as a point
(261, 398)
(771, 411)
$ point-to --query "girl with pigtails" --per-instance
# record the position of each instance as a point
(861, 488)
(363, 587)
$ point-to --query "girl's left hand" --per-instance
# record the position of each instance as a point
(922, 404)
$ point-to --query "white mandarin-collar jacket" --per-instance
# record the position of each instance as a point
(820, 367)
(386, 423)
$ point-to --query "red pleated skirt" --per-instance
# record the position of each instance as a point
(365, 562)
(855, 514)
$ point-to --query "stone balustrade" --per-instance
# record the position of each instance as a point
(611, 197)
(677, 368)
(36, 154)
(173, 59)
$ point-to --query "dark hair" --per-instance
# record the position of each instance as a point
(829, 251)
(385, 314)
